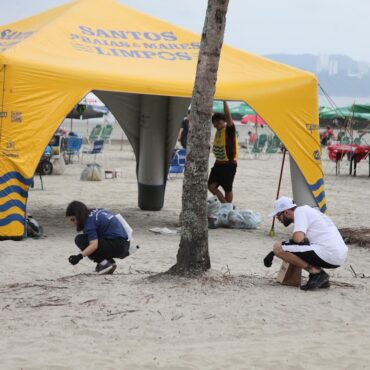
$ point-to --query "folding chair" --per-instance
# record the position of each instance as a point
(94, 134)
(177, 165)
(106, 133)
(73, 147)
(95, 149)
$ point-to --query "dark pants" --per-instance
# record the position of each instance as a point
(107, 248)
(313, 259)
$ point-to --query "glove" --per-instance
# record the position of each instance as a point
(305, 241)
(75, 259)
(267, 261)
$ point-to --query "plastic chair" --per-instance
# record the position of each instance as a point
(73, 147)
(95, 132)
(106, 133)
(177, 165)
(95, 149)
(357, 140)
(262, 141)
(258, 147)
(345, 140)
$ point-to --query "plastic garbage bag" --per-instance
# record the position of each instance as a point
(213, 205)
(243, 219)
(92, 172)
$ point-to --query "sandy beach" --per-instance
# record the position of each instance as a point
(58, 316)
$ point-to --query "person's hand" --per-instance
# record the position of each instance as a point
(75, 259)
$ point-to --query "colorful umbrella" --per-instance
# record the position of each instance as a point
(253, 119)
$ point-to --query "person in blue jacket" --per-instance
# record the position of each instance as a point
(103, 237)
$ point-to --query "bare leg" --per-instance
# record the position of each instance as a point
(229, 196)
(213, 188)
(293, 259)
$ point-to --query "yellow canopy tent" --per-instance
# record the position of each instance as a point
(143, 69)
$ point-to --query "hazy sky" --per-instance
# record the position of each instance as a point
(261, 27)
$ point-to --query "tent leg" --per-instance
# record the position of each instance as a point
(302, 195)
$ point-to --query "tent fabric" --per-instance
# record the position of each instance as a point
(355, 111)
(50, 61)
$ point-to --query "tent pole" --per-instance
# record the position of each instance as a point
(272, 230)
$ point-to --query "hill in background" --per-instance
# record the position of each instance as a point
(338, 74)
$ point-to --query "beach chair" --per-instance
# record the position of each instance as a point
(177, 165)
(95, 149)
(258, 147)
(273, 146)
(106, 133)
(94, 134)
(345, 140)
(262, 141)
(357, 140)
(73, 147)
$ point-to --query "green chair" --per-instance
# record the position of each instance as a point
(357, 140)
(262, 141)
(94, 134)
(345, 140)
(106, 132)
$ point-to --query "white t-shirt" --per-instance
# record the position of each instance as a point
(323, 235)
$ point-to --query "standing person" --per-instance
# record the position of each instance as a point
(103, 237)
(225, 149)
(251, 138)
(316, 242)
(184, 131)
(327, 136)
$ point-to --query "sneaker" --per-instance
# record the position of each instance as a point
(317, 281)
(105, 267)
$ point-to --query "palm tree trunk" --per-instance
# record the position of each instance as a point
(193, 256)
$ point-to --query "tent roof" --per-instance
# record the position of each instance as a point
(144, 55)
(50, 61)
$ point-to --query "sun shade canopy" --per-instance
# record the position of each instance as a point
(49, 62)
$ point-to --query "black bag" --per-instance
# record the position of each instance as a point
(34, 229)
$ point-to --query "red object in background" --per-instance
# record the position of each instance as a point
(257, 120)
(336, 152)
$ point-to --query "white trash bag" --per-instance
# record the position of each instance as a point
(92, 172)
(213, 204)
(59, 165)
(244, 219)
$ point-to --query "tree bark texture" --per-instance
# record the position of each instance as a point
(193, 256)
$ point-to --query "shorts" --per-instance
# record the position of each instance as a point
(313, 259)
(223, 175)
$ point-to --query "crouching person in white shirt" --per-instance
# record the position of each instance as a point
(316, 242)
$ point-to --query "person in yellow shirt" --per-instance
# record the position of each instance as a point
(225, 149)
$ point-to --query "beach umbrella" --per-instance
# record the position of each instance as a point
(355, 112)
(238, 111)
(84, 111)
(253, 119)
(218, 106)
(361, 108)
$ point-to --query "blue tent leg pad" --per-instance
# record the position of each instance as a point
(151, 197)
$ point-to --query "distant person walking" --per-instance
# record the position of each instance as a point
(184, 131)
(225, 149)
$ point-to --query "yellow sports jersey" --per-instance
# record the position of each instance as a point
(225, 145)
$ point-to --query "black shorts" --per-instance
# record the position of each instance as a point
(223, 175)
(313, 259)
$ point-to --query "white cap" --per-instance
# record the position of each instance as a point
(281, 205)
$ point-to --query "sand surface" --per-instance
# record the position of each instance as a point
(57, 316)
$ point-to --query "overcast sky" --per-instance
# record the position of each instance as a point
(261, 27)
